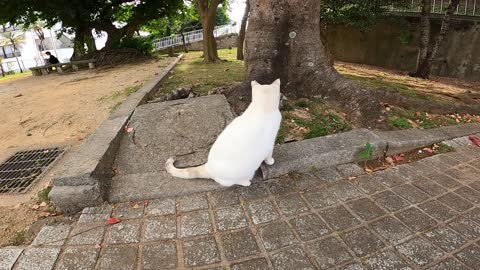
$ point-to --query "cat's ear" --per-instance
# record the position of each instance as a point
(276, 82)
(255, 83)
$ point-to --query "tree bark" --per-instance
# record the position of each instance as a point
(185, 49)
(16, 57)
(424, 65)
(241, 34)
(207, 10)
(424, 32)
(79, 43)
(90, 41)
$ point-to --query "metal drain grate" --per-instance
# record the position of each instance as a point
(20, 171)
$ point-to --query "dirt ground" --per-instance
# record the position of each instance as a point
(58, 110)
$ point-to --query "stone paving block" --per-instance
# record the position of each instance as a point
(292, 204)
(456, 202)
(362, 241)
(390, 229)
(463, 173)
(445, 238)
(195, 224)
(366, 209)
(474, 214)
(320, 198)
(449, 160)
(255, 191)
(87, 234)
(390, 201)
(430, 187)
(470, 256)
(160, 228)
(350, 169)
(124, 233)
(99, 213)
(328, 252)
(449, 264)
(368, 184)
(276, 235)
(408, 172)
(292, 258)
(230, 218)
(239, 244)
(199, 252)
(281, 186)
(128, 210)
(420, 251)
(390, 177)
(329, 174)
(262, 211)
(434, 162)
(118, 257)
(225, 198)
(339, 218)
(161, 255)
(475, 185)
(415, 219)
(306, 181)
(54, 235)
(411, 193)
(161, 207)
(422, 168)
(255, 264)
(437, 210)
(469, 194)
(466, 227)
(309, 227)
(444, 180)
(78, 258)
(345, 191)
(193, 202)
(353, 266)
(38, 259)
(386, 259)
(8, 257)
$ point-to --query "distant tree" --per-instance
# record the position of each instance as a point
(207, 10)
(241, 34)
(1, 67)
(15, 40)
(428, 51)
(38, 30)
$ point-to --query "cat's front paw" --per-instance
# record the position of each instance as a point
(269, 161)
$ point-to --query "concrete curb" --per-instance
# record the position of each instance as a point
(83, 179)
(342, 148)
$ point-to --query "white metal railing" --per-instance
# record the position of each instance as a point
(193, 36)
(465, 7)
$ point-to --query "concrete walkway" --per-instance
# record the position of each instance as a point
(425, 215)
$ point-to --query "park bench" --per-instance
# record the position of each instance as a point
(43, 70)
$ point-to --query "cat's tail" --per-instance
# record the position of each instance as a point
(186, 173)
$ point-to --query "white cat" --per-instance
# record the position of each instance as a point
(244, 144)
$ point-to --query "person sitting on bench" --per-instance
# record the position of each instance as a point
(52, 59)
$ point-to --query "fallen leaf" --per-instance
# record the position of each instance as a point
(352, 177)
(145, 203)
(43, 204)
(368, 170)
(428, 150)
(18, 95)
(389, 160)
(98, 246)
(113, 220)
(136, 206)
(397, 158)
(475, 140)
(130, 129)
(35, 206)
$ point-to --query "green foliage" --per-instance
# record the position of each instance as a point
(43, 195)
(324, 124)
(443, 148)
(401, 122)
(367, 152)
(302, 103)
(359, 14)
(19, 238)
(144, 45)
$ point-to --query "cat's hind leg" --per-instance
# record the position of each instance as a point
(269, 160)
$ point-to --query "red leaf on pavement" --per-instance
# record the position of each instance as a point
(475, 140)
(113, 220)
(397, 158)
(428, 150)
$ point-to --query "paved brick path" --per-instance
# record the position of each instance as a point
(425, 215)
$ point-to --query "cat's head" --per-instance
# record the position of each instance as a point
(267, 94)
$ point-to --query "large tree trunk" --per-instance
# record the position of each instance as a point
(424, 33)
(115, 35)
(207, 10)
(79, 43)
(424, 65)
(90, 41)
(283, 41)
(241, 34)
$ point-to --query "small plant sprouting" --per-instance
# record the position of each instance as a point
(367, 152)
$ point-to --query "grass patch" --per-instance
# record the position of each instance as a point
(193, 72)
(43, 195)
(15, 76)
(119, 97)
(19, 238)
(400, 122)
(443, 148)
